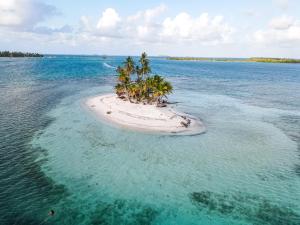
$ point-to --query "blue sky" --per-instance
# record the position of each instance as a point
(229, 28)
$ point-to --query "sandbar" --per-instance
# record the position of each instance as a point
(144, 117)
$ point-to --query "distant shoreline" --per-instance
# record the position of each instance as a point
(7, 54)
(19, 54)
(254, 59)
(140, 117)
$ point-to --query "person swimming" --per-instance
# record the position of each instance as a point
(51, 212)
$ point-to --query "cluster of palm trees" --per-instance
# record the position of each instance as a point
(136, 85)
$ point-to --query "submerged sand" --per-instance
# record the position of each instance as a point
(144, 117)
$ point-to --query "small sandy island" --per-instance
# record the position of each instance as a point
(142, 117)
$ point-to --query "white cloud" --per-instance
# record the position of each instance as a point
(149, 26)
(283, 30)
(8, 14)
(152, 13)
(282, 23)
(148, 15)
(143, 28)
(109, 20)
(24, 14)
(23, 19)
(203, 28)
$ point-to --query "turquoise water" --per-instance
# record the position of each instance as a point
(55, 155)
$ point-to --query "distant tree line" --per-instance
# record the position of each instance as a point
(253, 59)
(274, 60)
(19, 54)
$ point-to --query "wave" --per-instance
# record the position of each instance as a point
(109, 66)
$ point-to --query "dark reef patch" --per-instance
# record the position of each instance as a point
(247, 207)
(123, 212)
(297, 170)
(290, 126)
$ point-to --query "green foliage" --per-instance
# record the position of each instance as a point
(274, 60)
(19, 54)
(254, 59)
(147, 89)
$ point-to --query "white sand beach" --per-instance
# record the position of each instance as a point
(142, 117)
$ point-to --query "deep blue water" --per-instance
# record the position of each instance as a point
(55, 155)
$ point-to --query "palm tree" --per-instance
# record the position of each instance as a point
(133, 92)
(144, 71)
(145, 68)
(146, 88)
(157, 79)
(123, 76)
(139, 74)
(167, 88)
(160, 88)
(149, 88)
(120, 90)
(129, 66)
(124, 80)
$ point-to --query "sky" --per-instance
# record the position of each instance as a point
(231, 28)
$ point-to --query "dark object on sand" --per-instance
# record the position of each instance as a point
(161, 105)
(108, 112)
(186, 124)
(122, 97)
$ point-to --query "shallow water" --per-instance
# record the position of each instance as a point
(56, 155)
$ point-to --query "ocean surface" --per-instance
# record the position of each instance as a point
(54, 154)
